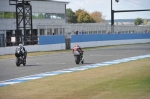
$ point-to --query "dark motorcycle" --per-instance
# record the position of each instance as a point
(78, 57)
(20, 57)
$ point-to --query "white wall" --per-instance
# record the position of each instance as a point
(33, 48)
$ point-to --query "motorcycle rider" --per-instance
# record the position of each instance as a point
(22, 50)
(79, 49)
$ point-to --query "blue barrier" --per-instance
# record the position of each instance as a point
(107, 37)
(55, 39)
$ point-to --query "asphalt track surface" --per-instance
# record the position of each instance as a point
(59, 61)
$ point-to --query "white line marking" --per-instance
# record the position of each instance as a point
(52, 73)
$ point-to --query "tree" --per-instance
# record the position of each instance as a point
(145, 21)
(84, 17)
(8, 15)
(138, 21)
(41, 16)
(97, 16)
(79, 11)
(72, 18)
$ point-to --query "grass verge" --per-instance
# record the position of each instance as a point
(122, 81)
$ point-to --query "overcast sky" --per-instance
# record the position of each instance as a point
(104, 6)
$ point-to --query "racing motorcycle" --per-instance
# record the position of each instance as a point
(20, 56)
(78, 57)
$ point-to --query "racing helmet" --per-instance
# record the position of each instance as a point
(20, 45)
(76, 45)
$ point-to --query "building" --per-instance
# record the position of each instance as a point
(44, 12)
(49, 18)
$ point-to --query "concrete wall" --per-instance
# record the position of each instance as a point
(58, 42)
(93, 40)
(107, 37)
(55, 39)
(110, 42)
(34, 48)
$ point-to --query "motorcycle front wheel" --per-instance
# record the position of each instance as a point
(77, 60)
(17, 62)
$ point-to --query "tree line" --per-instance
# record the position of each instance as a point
(82, 16)
(140, 21)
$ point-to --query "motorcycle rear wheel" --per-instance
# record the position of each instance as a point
(24, 62)
(82, 61)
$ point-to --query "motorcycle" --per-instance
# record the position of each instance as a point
(78, 57)
(20, 57)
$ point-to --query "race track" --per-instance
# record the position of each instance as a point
(59, 61)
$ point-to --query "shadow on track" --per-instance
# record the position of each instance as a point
(29, 65)
(89, 63)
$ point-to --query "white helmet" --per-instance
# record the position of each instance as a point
(20, 45)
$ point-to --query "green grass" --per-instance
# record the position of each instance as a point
(122, 81)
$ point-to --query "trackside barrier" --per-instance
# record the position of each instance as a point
(94, 40)
(58, 42)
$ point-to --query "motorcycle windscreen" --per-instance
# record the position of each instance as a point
(17, 52)
(76, 53)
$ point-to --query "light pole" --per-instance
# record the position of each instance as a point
(119, 11)
(112, 16)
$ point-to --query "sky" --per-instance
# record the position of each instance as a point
(104, 6)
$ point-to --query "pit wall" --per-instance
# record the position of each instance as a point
(58, 42)
(46, 43)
